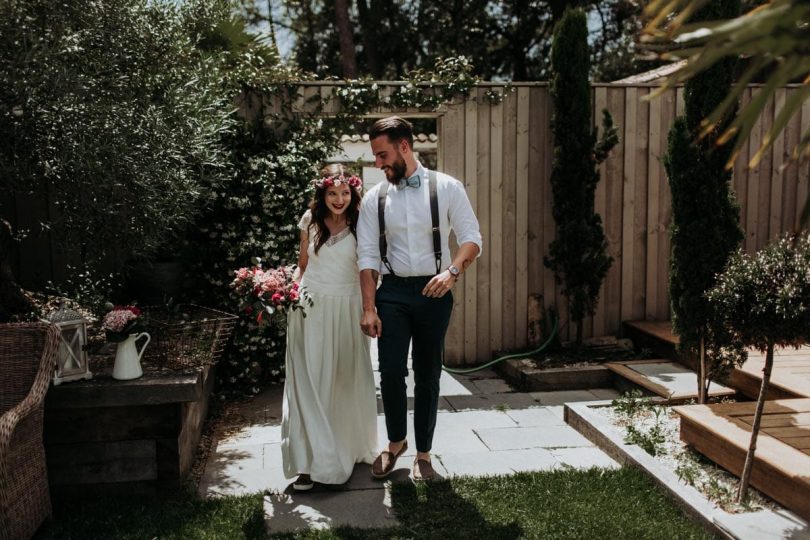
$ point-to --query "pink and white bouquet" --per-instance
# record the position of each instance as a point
(120, 322)
(265, 292)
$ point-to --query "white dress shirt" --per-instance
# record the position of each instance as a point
(409, 226)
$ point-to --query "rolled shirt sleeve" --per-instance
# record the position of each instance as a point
(368, 233)
(462, 218)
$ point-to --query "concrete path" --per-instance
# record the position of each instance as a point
(483, 428)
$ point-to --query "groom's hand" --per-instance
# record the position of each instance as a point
(371, 324)
(439, 285)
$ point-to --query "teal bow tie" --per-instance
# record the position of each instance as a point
(414, 182)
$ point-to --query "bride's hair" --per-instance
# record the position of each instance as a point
(320, 211)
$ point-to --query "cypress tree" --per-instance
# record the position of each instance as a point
(705, 228)
(578, 255)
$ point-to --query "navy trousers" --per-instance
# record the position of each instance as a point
(407, 316)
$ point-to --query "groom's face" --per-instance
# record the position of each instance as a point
(388, 158)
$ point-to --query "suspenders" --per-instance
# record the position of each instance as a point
(434, 216)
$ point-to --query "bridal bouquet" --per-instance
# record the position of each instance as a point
(266, 292)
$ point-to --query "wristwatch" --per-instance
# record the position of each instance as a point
(454, 271)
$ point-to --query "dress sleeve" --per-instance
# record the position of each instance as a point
(306, 219)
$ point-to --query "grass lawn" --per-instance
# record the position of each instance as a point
(598, 503)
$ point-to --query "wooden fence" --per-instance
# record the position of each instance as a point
(503, 154)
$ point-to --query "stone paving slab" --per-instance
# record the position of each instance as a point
(253, 434)
(563, 396)
(494, 463)
(492, 401)
(765, 525)
(531, 437)
(539, 416)
(286, 513)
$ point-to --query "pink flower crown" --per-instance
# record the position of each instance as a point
(339, 179)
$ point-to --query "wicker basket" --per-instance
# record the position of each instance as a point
(186, 335)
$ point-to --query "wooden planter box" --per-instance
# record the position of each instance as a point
(523, 374)
(140, 434)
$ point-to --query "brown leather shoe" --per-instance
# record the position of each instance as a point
(386, 461)
(423, 470)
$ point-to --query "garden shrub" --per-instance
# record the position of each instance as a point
(110, 110)
(764, 300)
(578, 254)
(705, 228)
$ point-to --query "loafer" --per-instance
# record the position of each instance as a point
(423, 470)
(379, 471)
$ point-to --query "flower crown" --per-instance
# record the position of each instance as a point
(339, 179)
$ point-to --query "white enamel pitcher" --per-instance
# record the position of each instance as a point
(128, 358)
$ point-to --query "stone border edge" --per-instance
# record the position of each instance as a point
(600, 432)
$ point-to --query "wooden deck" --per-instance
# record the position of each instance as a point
(790, 377)
(781, 468)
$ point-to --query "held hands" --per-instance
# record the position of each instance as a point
(439, 285)
(371, 324)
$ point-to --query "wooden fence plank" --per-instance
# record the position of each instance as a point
(452, 163)
(522, 218)
(535, 179)
(613, 215)
(629, 198)
(508, 217)
(484, 287)
(638, 297)
(496, 226)
(777, 177)
(803, 180)
(471, 179)
(655, 175)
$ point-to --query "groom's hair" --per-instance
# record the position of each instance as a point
(394, 127)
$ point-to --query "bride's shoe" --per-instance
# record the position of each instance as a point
(303, 483)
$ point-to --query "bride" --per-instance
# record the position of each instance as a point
(330, 407)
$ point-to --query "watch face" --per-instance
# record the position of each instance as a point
(453, 270)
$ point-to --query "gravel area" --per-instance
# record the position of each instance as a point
(656, 428)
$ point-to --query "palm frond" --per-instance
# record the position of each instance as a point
(774, 37)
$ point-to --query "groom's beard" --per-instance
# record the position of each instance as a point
(396, 171)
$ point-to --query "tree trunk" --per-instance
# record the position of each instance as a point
(348, 60)
(749, 458)
(271, 22)
(369, 23)
(580, 323)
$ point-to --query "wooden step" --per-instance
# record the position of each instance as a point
(656, 336)
(781, 468)
(665, 378)
(790, 377)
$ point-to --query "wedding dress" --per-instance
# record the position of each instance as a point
(330, 406)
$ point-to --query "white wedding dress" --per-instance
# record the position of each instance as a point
(330, 404)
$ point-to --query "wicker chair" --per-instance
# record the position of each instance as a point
(27, 362)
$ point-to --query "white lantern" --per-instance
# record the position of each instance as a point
(72, 362)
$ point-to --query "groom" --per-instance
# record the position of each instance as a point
(403, 233)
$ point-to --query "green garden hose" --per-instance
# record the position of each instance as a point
(508, 356)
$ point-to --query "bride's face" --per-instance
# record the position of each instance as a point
(338, 198)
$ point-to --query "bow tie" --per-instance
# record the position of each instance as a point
(414, 182)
